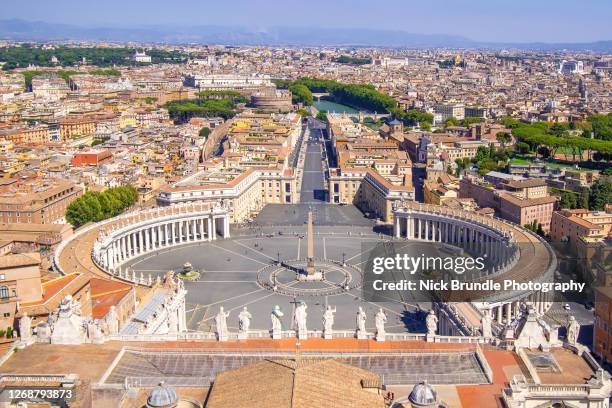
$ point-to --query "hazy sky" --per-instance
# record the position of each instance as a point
(485, 20)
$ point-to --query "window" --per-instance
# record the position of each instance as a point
(4, 292)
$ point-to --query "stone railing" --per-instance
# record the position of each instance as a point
(484, 364)
(291, 334)
(39, 378)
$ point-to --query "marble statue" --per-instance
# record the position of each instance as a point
(112, 321)
(172, 322)
(94, 332)
(221, 322)
(573, 329)
(328, 321)
(361, 319)
(25, 328)
(299, 319)
(277, 326)
(244, 322)
(380, 319)
(485, 325)
(43, 332)
(432, 323)
(68, 328)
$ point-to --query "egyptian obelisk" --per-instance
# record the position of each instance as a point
(310, 269)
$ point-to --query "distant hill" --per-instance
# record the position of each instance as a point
(22, 30)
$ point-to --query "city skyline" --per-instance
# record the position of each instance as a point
(477, 21)
(219, 205)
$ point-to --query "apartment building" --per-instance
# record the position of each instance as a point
(19, 282)
(368, 190)
(602, 327)
(243, 191)
(38, 134)
(519, 205)
(578, 229)
(36, 201)
(218, 82)
(71, 127)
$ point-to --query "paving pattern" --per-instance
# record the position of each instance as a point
(228, 268)
(228, 277)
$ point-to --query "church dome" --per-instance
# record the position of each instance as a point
(162, 396)
(423, 395)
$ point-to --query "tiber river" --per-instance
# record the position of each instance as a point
(334, 107)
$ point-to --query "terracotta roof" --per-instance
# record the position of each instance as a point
(106, 293)
(17, 260)
(527, 183)
(529, 201)
(306, 383)
(53, 292)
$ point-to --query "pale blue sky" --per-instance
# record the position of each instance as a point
(484, 20)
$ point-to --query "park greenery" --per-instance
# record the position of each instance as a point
(487, 159)
(594, 198)
(346, 59)
(207, 104)
(359, 96)
(301, 94)
(204, 132)
(68, 56)
(536, 227)
(547, 139)
(322, 115)
(222, 94)
(413, 117)
(466, 122)
(303, 112)
(95, 206)
(601, 126)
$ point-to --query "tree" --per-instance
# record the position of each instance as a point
(601, 194)
(503, 138)
(301, 94)
(602, 126)
(510, 122)
(583, 199)
(94, 206)
(450, 122)
(568, 200)
(469, 120)
(558, 129)
(544, 151)
(425, 126)
(303, 112)
(204, 132)
(322, 115)
(481, 153)
(522, 147)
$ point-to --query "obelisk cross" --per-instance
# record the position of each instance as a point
(310, 269)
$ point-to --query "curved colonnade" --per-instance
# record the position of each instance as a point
(114, 242)
(514, 252)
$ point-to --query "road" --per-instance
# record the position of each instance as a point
(313, 182)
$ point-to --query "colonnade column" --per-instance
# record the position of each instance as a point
(396, 226)
(409, 227)
(211, 229)
(226, 226)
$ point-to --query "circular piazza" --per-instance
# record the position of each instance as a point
(258, 265)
